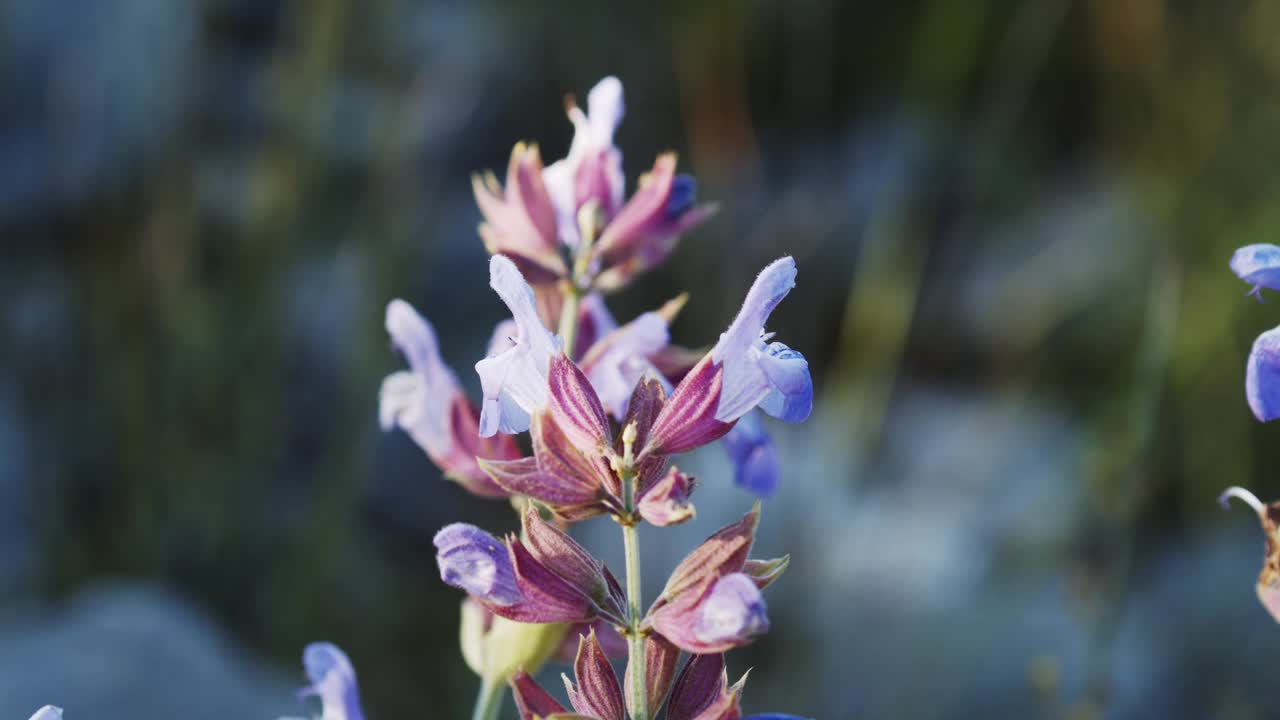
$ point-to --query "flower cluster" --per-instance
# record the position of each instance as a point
(607, 406)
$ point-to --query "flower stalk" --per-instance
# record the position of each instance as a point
(489, 700)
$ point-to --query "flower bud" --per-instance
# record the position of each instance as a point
(660, 659)
(646, 229)
(473, 560)
(701, 683)
(597, 692)
(495, 647)
(733, 612)
(666, 502)
(1262, 376)
(561, 554)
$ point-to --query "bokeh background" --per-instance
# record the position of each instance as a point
(1012, 221)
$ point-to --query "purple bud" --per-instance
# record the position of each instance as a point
(734, 612)
(333, 679)
(754, 457)
(701, 683)
(646, 229)
(597, 692)
(471, 559)
(562, 555)
(660, 658)
(1258, 265)
(666, 502)
(1262, 376)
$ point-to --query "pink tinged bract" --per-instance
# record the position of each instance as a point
(333, 680)
(666, 501)
(515, 381)
(520, 219)
(531, 700)
(772, 376)
(592, 170)
(700, 685)
(576, 408)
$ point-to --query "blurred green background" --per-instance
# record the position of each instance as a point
(1012, 221)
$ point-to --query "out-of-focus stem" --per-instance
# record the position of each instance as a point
(569, 316)
(489, 701)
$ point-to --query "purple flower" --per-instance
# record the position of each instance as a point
(1262, 376)
(428, 404)
(734, 612)
(773, 376)
(1258, 265)
(333, 680)
(740, 373)
(520, 219)
(515, 380)
(754, 457)
(48, 712)
(475, 561)
(593, 168)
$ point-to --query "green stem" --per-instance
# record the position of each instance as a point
(569, 316)
(489, 701)
(635, 641)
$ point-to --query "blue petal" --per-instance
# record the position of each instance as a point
(754, 457)
(471, 559)
(48, 712)
(752, 371)
(1262, 376)
(1258, 265)
(334, 680)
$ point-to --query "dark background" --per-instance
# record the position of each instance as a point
(1012, 222)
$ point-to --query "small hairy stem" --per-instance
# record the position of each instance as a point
(489, 701)
(569, 316)
(635, 641)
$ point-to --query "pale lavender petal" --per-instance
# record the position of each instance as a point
(419, 401)
(605, 109)
(48, 712)
(1258, 265)
(754, 457)
(515, 381)
(471, 559)
(333, 679)
(754, 371)
(620, 359)
(1262, 376)
(503, 338)
(733, 612)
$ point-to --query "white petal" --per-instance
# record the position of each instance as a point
(605, 109)
(515, 381)
(48, 712)
(623, 360)
(418, 402)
